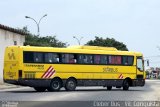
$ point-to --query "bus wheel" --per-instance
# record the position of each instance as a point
(109, 87)
(125, 85)
(40, 89)
(55, 85)
(70, 84)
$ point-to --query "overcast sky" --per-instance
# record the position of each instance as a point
(136, 23)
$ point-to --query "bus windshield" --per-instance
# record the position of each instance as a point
(140, 64)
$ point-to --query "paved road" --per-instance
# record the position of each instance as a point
(150, 92)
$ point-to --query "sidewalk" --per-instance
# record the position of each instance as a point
(7, 86)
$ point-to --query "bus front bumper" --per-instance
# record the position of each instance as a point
(138, 82)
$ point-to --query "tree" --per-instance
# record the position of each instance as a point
(47, 41)
(108, 42)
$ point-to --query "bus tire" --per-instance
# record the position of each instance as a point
(125, 85)
(40, 89)
(109, 87)
(70, 84)
(55, 85)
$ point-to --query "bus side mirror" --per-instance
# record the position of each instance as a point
(147, 62)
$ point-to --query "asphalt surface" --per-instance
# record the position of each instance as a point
(150, 92)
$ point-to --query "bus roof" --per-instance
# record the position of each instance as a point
(79, 49)
(94, 48)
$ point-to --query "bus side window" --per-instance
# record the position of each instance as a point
(111, 59)
(65, 58)
(68, 58)
(127, 60)
(80, 59)
(75, 58)
(38, 57)
(72, 58)
(97, 59)
(28, 57)
(104, 59)
(51, 58)
(116, 60)
(130, 60)
(85, 59)
(58, 59)
(88, 59)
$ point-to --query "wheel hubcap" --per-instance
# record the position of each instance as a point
(55, 85)
(71, 84)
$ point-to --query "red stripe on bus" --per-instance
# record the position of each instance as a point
(120, 76)
(46, 71)
(49, 71)
(52, 73)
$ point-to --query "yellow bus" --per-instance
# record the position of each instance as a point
(50, 68)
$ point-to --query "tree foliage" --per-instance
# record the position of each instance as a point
(107, 42)
(48, 41)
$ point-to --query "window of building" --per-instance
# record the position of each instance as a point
(6, 35)
(15, 42)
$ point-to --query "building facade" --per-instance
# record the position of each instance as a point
(9, 37)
